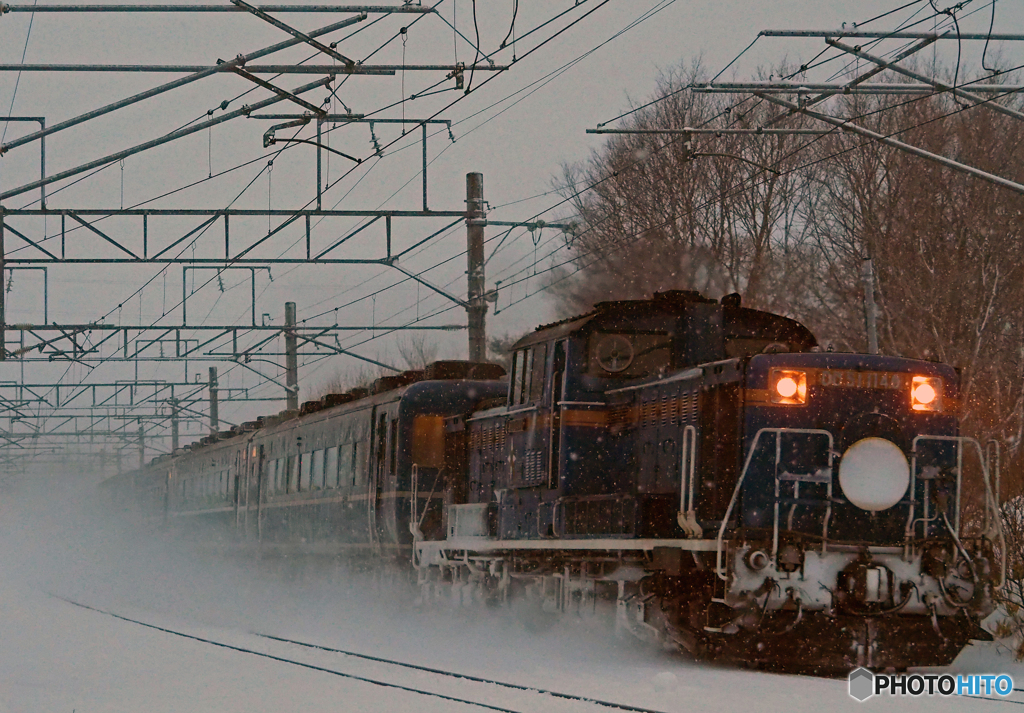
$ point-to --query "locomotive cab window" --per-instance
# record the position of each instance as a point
(527, 385)
(629, 355)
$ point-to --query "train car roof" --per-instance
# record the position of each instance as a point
(672, 302)
(212, 448)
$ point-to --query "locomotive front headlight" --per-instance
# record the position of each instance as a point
(788, 386)
(926, 393)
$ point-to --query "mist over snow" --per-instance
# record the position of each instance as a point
(58, 540)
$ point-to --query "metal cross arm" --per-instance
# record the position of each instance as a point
(435, 288)
(846, 125)
(346, 352)
(174, 135)
(861, 79)
(129, 8)
(808, 87)
(974, 98)
(947, 35)
(207, 72)
(370, 70)
(295, 33)
(44, 343)
(279, 92)
(715, 132)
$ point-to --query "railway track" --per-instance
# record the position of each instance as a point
(441, 673)
(462, 676)
(365, 679)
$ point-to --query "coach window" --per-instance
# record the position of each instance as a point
(306, 459)
(355, 463)
(394, 446)
(331, 467)
(318, 470)
(293, 473)
(346, 471)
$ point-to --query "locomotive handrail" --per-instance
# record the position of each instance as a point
(909, 530)
(992, 452)
(739, 484)
(780, 477)
(991, 500)
(687, 517)
(414, 505)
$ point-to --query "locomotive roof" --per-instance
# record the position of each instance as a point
(672, 302)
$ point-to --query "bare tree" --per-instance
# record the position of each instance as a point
(715, 213)
(417, 351)
(788, 221)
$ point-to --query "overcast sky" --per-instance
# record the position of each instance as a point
(517, 129)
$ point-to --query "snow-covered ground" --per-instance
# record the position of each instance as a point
(55, 656)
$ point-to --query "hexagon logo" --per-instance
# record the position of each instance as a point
(862, 684)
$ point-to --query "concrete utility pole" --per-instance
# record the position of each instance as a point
(3, 296)
(174, 423)
(142, 447)
(291, 357)
(476, 219)
(214, 410)
(871, 326)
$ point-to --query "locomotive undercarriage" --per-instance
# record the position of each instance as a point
(878, 607)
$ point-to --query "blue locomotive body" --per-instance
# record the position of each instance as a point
(732, 488)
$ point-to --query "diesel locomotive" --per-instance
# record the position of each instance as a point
(702, 470)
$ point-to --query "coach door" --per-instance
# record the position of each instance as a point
(378, 455)
(555, 397)
(241, 490)
(261, 485)
(252, 459)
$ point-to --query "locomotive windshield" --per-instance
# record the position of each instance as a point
(629, 355)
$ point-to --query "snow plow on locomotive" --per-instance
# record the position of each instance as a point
(701, 467)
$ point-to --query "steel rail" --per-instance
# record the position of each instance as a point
(281, 659)
(462, 676)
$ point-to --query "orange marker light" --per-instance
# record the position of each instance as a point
(788, 386)
(926, 393)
